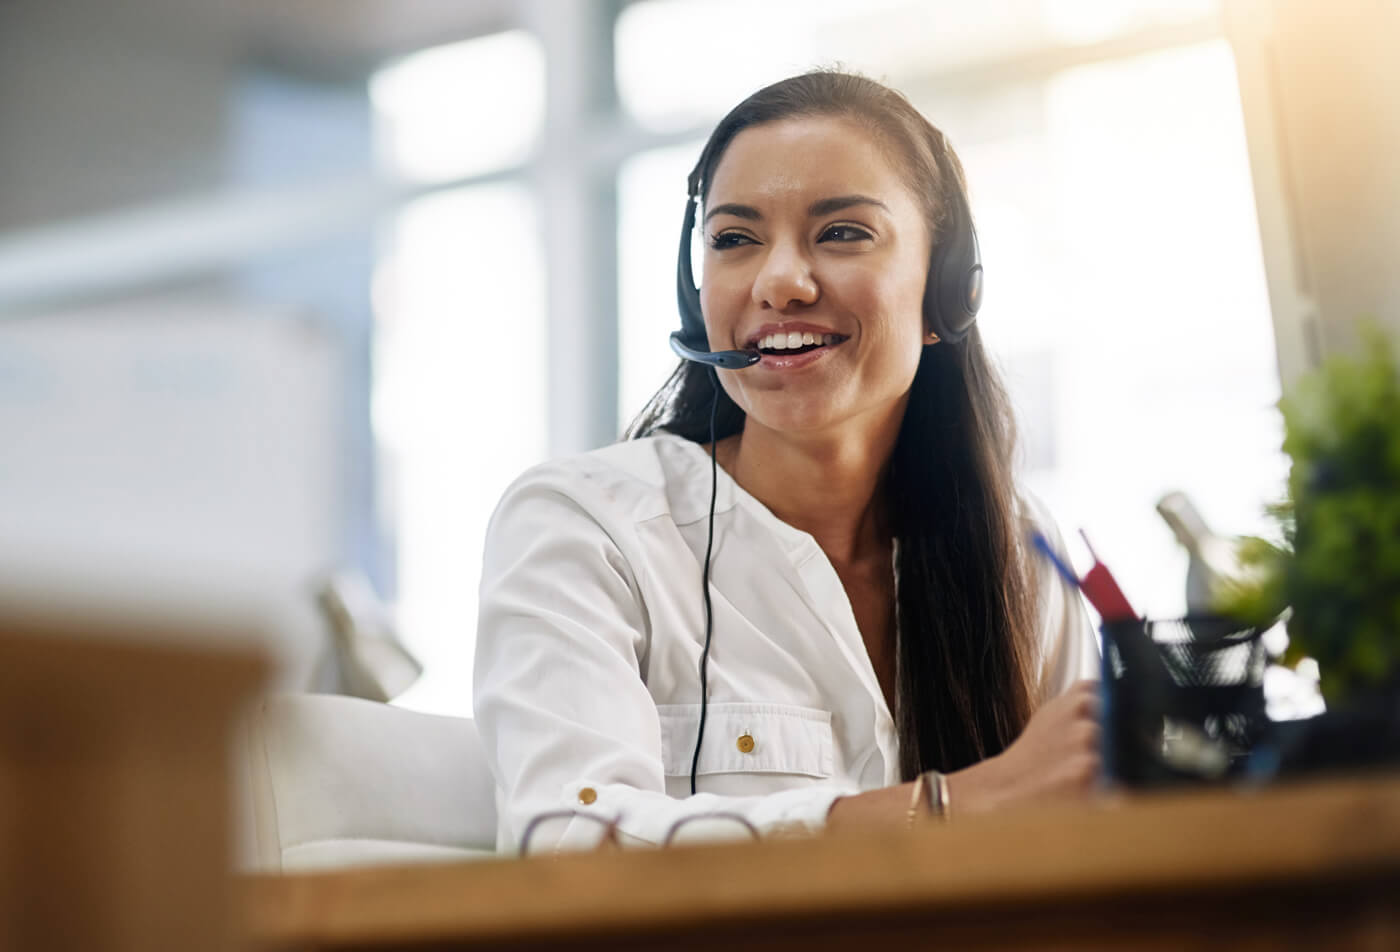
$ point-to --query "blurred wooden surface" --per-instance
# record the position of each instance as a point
(1309, 866)
(115, 789)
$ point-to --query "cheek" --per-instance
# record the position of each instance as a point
(710, 309)
(898, 302)
(722, 303)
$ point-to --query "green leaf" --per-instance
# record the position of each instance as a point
(1339, 566)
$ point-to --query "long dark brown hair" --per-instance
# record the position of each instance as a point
(966, 602)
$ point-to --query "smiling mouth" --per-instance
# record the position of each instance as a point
(794, 342)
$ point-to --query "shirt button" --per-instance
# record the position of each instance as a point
(587, 795)
(745, 744)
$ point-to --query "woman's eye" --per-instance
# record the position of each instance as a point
(728, 239)
(844, 233)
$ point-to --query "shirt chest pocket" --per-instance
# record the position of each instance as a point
(747, 738)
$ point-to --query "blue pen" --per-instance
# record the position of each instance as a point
(1043, 544)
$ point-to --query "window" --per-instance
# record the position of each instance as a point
(460, 400)
(462, 109)
(651, 202)
(1126, 299)
(685, 62)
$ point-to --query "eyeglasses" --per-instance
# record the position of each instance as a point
(607, 828)
(709, 827)
(700, 828)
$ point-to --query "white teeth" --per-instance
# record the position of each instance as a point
(787, 340)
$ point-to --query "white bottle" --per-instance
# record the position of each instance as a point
(1213, 559)
(1289, 693)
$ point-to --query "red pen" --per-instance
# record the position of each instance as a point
(1099, 586)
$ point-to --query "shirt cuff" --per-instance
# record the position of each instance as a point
(646, 817)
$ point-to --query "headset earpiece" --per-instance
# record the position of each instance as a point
(692, 331)
(953, 295)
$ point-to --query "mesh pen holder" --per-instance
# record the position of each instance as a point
(1183, 699)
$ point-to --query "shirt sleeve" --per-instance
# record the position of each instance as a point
(560, 702)
(1069, 649)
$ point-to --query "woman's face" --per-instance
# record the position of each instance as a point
(816, 253)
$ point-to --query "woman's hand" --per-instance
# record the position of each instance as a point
(1056, 756)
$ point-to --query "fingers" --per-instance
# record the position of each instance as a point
(1082, 772)
(1084, 735)
(1084, 700)
(1085, 762)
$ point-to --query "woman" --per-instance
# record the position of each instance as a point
(872, 630)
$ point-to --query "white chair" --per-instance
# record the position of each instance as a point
(329, 781)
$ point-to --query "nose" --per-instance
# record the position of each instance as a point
(785, 280)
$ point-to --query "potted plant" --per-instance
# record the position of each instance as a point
(1338, 566)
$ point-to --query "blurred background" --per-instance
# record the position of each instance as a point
(297, 287)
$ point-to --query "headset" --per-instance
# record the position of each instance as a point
(952, 298)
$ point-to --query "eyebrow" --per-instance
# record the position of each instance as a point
(822, 206)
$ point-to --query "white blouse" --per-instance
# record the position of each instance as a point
(587, 690)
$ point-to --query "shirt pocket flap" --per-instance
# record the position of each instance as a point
(747, 738)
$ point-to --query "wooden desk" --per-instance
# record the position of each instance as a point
(115, 786)
(1307, 867)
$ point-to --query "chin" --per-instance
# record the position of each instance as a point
(822, 410)
(793, 416)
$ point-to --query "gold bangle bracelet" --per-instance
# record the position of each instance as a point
(915, 798)
(921, 799)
